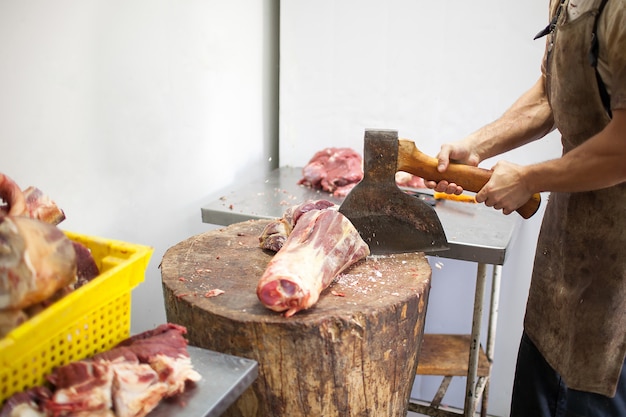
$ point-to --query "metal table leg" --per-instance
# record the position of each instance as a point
(471, 394)
(477, 388)
(491, 332)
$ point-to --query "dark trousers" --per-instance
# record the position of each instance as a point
(539, 391)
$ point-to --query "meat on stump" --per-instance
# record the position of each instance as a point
(321, 243)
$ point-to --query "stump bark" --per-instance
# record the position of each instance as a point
(354, 353)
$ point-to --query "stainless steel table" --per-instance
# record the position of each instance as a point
(224, 379)
(475, 233)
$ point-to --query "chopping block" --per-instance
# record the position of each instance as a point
(354, 353)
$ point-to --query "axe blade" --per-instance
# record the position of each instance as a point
(388, 219)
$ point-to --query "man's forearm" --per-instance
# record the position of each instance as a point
(598, 163)
(528, 119)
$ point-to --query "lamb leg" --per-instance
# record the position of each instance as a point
(322, 244)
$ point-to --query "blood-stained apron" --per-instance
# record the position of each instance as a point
(576, 311)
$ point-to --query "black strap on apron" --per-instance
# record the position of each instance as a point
(593, 51)
(593, 60)
(552, 25)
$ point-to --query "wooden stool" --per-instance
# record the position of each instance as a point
(352, 354)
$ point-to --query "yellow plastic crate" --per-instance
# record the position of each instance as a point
(90, 320)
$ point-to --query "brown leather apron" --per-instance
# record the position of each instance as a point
(576, 311)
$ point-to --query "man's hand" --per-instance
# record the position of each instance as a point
(457, 152)
(528, 119)
(506, 190)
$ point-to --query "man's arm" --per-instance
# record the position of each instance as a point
(528, 119)
(599, 162)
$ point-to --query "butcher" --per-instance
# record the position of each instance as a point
(572, 350)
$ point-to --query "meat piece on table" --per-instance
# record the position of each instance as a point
(36, 260)
(29, 403)
(137, 389)
(164, 349)
(338, 170)
(81, 387)
(167, 339)
(322, 244)
(404, 179)
(130, 389)
(129, 380)
(335, 170)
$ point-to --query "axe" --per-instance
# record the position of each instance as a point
(388, 219)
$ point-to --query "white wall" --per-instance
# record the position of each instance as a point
(435, 71)
(131, 114)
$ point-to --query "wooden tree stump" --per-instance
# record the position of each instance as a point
(352, 354)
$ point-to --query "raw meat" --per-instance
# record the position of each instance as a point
(36, 260)
(11, 194)
(166, 339)
(404, 179)
(321, 245)
(274, 235)
(86, 268)
(39, 206)
(26, 404)
(293, 213)
(335, 170)
(338, 170)
(76, 379)
(136, 389)
(10, 319)
(85, 272)
(129, 380)
(35, 309)
(31, 202)
(276, 232)
(164, 349)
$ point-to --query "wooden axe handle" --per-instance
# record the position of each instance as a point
(413, 161)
